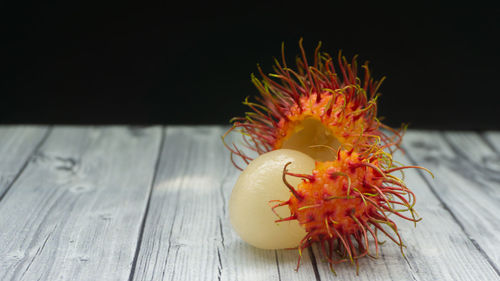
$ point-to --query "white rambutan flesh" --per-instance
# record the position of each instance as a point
(259, 187)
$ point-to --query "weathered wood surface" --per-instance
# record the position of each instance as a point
(113, 203)
(187, 235)
(466, 183)
(75, 211)
(17, 144)
(181, 236)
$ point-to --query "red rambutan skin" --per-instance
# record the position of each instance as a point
(333, 196)
(334, 95)
(344, 201)
(349, 198)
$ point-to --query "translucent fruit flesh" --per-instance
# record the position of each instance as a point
(249, 207)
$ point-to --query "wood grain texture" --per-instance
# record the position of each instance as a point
(75, 212)
(17, 145)
(114, 203)
(466, 184)
(181, 237)
(187, 235)
(493, 139)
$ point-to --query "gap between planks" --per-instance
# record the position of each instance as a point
(143, 221)
(25, 160)
(80, 196)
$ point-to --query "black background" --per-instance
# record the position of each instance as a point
(70, 63)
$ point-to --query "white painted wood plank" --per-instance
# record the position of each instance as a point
(188, 235)
(481, 164)
(492, 161)
(75, 212)
(493, 139)
(17, 144)
(287, 263)
(479, 159)
(463, 184)
(182, 234)
(438, 249)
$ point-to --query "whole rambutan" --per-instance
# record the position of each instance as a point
(345, 200)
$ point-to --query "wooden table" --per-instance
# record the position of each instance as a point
(125, 203)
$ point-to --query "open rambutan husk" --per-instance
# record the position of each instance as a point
(314, 109)
(330, 113)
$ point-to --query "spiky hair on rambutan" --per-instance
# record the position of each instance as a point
(329, 113)
(316, 108)
(345, 200)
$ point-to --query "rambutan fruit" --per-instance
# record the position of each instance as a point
(328, 115)
(345, 201)
(313, 110)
